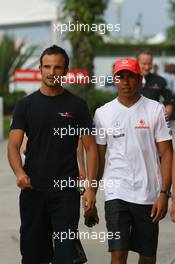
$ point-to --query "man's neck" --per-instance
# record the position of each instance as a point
(128, 102)
(146, 75)
(51, 91)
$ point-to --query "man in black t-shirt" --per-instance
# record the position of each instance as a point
(154, 86)
(52, 119)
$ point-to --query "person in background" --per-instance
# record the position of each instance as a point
(155, 69)
(169, 75)
(153, 86)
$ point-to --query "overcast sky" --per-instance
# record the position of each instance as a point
(155, 18)
(155, 15)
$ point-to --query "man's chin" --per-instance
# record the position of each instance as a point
(145, 73)
(53, 86)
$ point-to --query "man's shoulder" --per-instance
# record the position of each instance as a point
(26, 99)
(157, 78)
(151, 104)
(106, 107)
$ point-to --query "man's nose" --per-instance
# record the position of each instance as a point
(52, 71)
(147, 67)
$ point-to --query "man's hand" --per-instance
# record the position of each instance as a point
(91, 217)
(15, 141)
(159, 208)
(88, 199)
(172, 213)
(23, 181)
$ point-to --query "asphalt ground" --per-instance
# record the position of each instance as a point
(95, 249)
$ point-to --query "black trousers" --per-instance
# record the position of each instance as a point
(47, 220)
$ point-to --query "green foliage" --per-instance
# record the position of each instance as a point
(12, 56)
(6, 125)
(128, 49)
(84, 42)
(93, 97)
(10, 101)
(171, 30)
(97, 98)
(172, 10)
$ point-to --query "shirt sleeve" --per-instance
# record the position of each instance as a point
(19, 117)
(101, 137)
(162, 129)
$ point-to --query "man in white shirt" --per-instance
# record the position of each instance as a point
(136, 185)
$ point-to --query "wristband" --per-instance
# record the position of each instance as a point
(172, 197)
(166, 193)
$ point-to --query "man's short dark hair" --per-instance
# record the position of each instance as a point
(55, 50)
(144, 51)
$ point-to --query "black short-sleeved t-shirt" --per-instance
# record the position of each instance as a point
(52, 125)
(155, 89)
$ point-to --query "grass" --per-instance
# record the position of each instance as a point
(7, 120)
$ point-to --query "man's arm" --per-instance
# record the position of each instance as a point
(101, 150)
(81, 160)
(14, 144)
(92, 163)
(169, 110)
(165, 150)
(168, 101)
(173, 190)
(92, 213)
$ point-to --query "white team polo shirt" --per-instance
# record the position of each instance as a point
(132, 171)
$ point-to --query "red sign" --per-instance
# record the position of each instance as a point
(74, 76)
